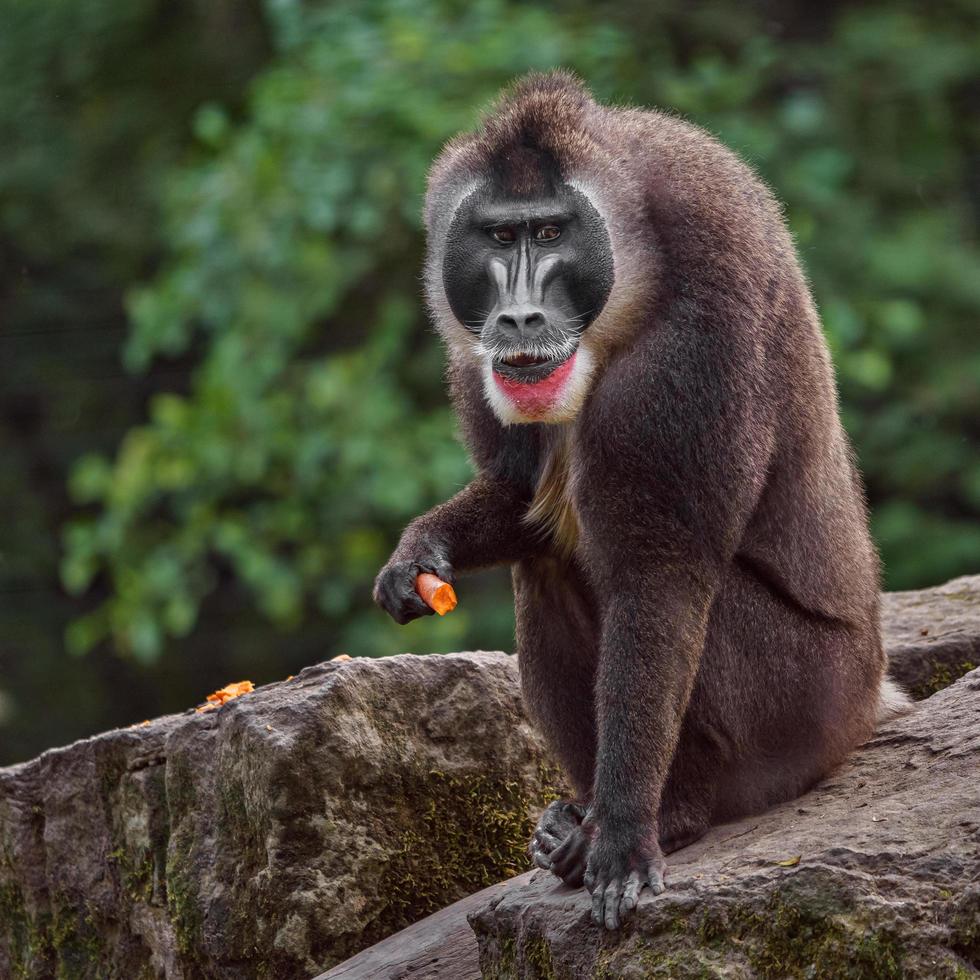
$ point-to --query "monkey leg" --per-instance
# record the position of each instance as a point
(556, 643)
(782, 695)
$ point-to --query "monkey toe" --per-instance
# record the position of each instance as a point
(616, 882)
(541, 847)
(568, 861)
(631, 893)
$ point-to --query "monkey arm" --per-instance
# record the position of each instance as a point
(653, 634)
(480, 526)
(663, 504)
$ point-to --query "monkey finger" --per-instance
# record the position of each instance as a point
(411, 606)
(573, 876)
(610, 900)
(545, 841)
(441, 569)
(571, 871)
(631, 893)
(655, 879)
(571, 851)
(541, 860)
(570, 865)
(598, 890)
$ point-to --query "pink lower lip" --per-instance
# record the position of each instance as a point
(534, 398)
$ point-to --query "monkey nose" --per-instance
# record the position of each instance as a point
(520, 322)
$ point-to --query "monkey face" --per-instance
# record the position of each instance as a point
(527, 276)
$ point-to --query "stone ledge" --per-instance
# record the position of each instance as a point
(281, 834)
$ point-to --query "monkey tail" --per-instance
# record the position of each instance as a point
(893, 702)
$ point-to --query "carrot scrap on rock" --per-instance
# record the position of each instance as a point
(341, 658)
(226, 694)
(435, 593)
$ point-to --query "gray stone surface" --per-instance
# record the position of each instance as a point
(933, 636)
(295, 826)
(875, 873)
(274, 836)
(887, 884)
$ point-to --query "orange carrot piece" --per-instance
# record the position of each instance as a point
(235, 690)
(435, 593)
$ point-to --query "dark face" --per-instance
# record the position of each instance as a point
(528, 276)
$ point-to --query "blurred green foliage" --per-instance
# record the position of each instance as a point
(305, 422)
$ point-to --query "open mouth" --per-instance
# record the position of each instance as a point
(524, 360)
(528, 368)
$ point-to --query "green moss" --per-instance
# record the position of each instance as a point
(76, 942)
(500, 960)
(502, 963)
(466, 832)
(943, 674)
(135, 872)
(802, 934)
(639, 958)
(537, 961)
(674, 965)
(182, 899)
(964, 928)
(26, 938)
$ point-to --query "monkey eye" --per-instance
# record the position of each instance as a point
(547, 233)
(503, 234)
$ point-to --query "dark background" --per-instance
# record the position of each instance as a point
(220, 399)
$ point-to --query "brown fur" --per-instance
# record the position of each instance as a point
(697, 596)
(552, 510)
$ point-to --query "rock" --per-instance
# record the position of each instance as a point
(884, 846)
(286, 831)
(439, 947)
(875, 873)
(932, 636)
(273, 836)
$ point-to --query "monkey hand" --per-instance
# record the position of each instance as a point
(394, 588)
(619, 866)
(559, 844)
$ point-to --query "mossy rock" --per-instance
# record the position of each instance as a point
(276, 835)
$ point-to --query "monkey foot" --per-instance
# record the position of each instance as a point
(560, 844)
(616, 875)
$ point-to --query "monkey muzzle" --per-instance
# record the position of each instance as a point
(529, 368)
(534, 388)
